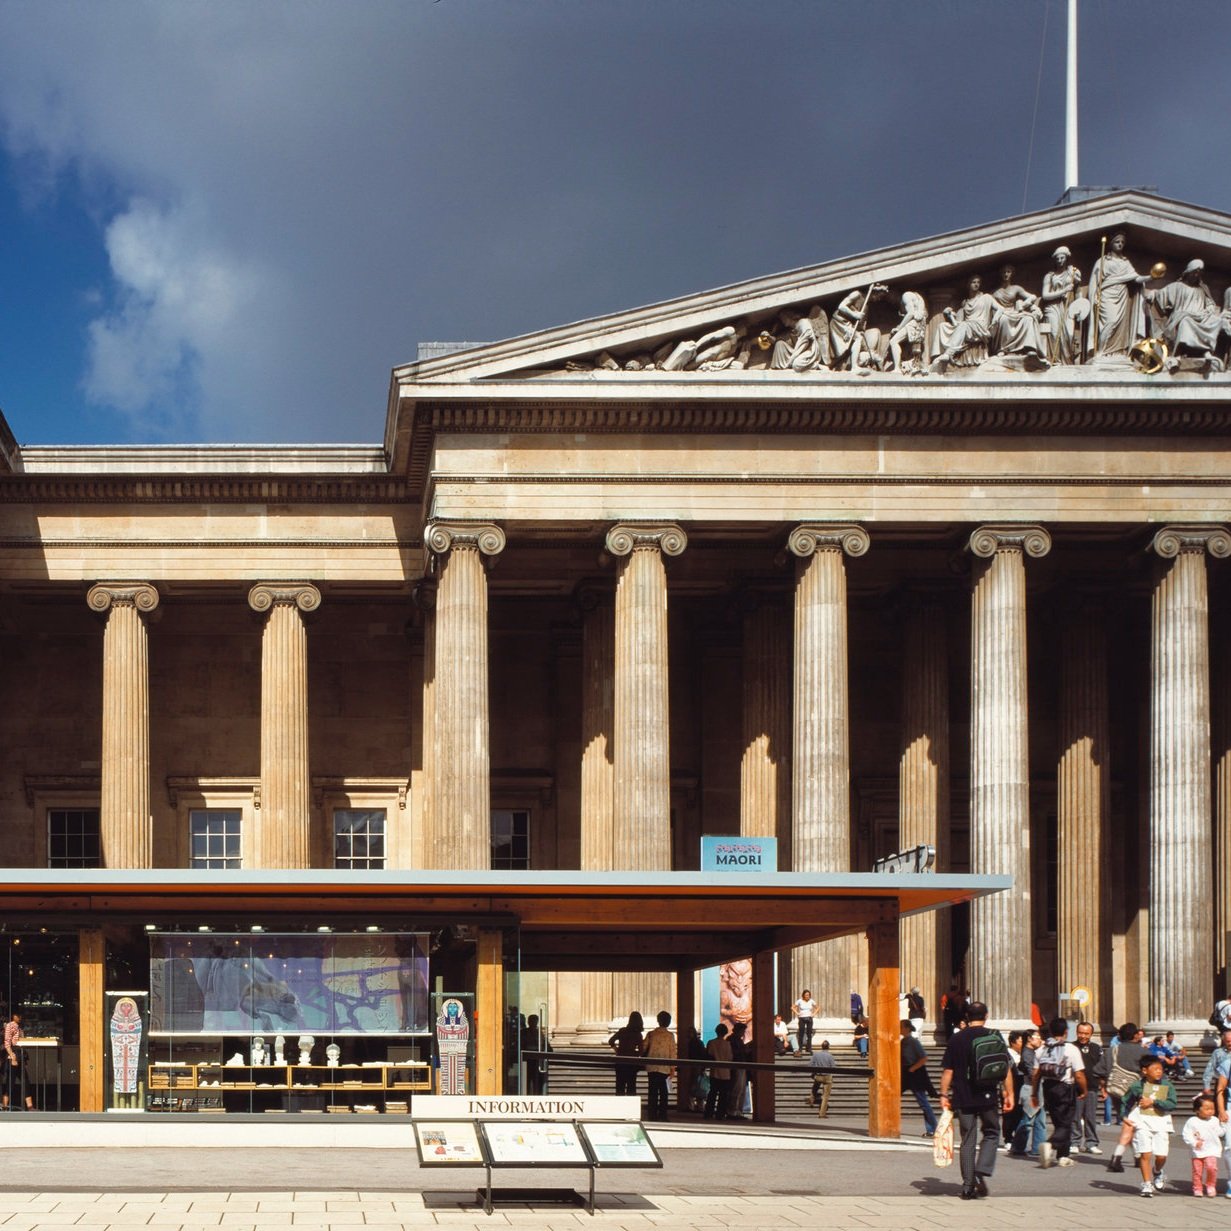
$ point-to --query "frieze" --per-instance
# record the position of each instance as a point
(1090, 317)
(31, 489)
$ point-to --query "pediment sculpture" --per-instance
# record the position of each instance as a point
(1117, 320)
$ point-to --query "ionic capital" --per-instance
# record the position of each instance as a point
(441, 537)
(1170, 541)
(627, 537)
(1034, 541)
(266, 595)
(807, 539)
(108, 594)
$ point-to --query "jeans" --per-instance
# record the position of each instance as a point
(925, 1106)
(1060, 1100)
(718, 1101)
(805, 1034)
(984, 1164)
(658, 1096)
(1031, 1129)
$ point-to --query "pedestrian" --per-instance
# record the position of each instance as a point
(13, 1057)
(976, 1085)
(1203, 1135)
(823, 1065)
(860, 1035)
(1150, 1101)
(659, 1044)
(1217, 1062)
(915, 1075)
(1129, 1054)
(1088, 1107)
(784, 1042)
(1032, 1127)
(718, 1100)
(916, 1009)
(1059, 1080)
(1013, 1118)
(805, 1009)
(627, 1042)
(741, 1053)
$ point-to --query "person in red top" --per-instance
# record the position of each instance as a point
(12, 1059)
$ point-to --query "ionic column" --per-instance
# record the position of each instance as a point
(641, 810)
(1083, 798)
(597, 780)
(1222, 818)
(765, 767)
(124, 814)
(1000, 967)
(820, 769)
(1181, 918)
(425, 600)
(283, 837)
(923, 786)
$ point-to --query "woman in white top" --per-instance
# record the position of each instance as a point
(805, 1007)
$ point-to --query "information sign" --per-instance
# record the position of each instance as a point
(619, 1145)
(443, 1143)
(533, 1143)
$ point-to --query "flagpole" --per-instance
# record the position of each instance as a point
(1070, 118)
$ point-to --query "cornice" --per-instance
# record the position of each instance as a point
(205, 489)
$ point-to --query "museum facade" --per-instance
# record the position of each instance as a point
(921, 547)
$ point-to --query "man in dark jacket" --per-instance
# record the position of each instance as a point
(1089, 1107)
(973, 1103)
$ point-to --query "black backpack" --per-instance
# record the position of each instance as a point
(989, 1060)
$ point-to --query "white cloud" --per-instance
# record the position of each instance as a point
(178, 297)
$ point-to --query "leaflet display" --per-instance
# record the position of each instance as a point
(445, 1143)
(533, 1143)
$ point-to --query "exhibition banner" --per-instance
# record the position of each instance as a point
(344, 984)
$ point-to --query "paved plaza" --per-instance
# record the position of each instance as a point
(744, 1180)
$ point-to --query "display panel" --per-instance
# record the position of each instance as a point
(619, 1145)
(448, 1143)
(533, 1143)
(344, 984)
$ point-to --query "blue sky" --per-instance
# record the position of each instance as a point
(227, 221)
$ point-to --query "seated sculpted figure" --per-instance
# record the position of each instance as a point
(911, 330)
(1194, 323)
(807, 343)
(964, 334)
(1015, 326)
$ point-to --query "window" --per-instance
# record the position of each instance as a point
(215, 837)
(73, 838)
(359, 838)
(510, 839)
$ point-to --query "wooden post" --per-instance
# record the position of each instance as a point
(763, 1036)
(489, 1010)
(685, 1016)
(91, 964)
(884, 1032)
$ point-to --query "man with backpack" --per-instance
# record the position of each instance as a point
(976, 1084)
(1059, 1076)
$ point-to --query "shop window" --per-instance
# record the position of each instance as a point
(214, 835)
(359, 838)
(510, 839)
(73, 838)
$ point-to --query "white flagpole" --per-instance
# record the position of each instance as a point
(1070, 118)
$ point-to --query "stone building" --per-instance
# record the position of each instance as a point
(861, 556)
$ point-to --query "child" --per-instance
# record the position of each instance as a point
(1151, 1099)
(1203, 1134)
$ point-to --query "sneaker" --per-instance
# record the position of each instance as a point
(1160, 1182)
(1147, 1190)
(1093, 1150)
(1064, 1162)
(1117, 1163)
(1047, 1154)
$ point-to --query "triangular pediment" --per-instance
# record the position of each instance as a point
(797, 326)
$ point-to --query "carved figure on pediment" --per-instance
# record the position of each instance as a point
(1119, 308)
(850, 338)
(1060, 286)
(806, 345)
(1194, 324)
(710, 352)
(912, 330)
(1015, 325)
(965, 332)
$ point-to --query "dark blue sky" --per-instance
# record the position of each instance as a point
(228, 221)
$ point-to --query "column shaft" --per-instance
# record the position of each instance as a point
(1181, 916)
(765, 768)
(124, 814)
(1222, 819)
(284, 830)
(1083, 941)
(597, 780)
(1000, 951)
(820, 769)
(923, 788)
